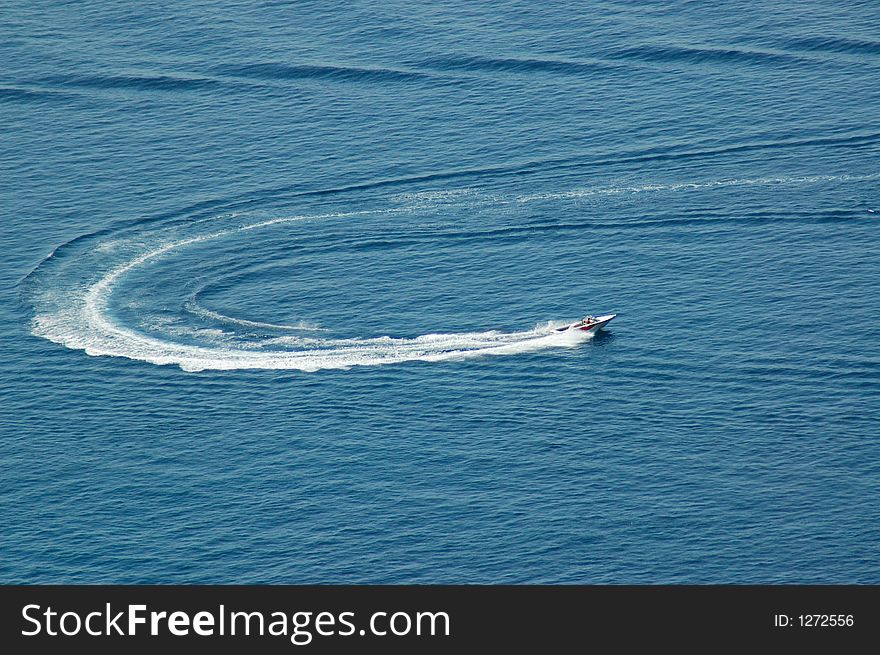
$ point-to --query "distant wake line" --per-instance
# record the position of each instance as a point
(77, 314)
(303, 326)
(684, 186)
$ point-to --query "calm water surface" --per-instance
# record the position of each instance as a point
(279, 282)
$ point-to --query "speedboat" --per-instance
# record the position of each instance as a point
(588, 323)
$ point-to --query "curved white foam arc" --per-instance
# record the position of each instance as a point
(115, 340)
(84, 324)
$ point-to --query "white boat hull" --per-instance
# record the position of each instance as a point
(596, 324)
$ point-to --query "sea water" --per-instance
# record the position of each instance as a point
(280, 284)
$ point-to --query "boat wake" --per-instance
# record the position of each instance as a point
(81, 316)
(94, 294)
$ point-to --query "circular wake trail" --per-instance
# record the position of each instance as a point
(73, 289)
(81, 319)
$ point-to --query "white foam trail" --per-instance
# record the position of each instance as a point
(103, 337)
(83, 322)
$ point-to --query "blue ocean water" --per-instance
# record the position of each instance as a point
(279, 281)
